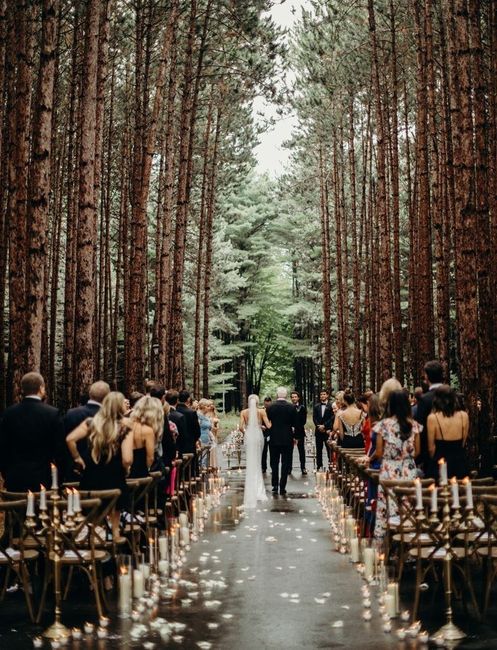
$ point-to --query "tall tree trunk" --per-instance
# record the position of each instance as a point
(201, 246)
(424, 333)
(325, 270)
(394, 176)
(18, 193)
(385, 293)
(208, 255)
(39, 185)
(138, 306)
(87, 218)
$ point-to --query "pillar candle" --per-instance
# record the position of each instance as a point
(163, 566)
(208, 503)
(145, 571)
(434, 502)
(138, 583)
(455, 492)
(369, 559)
(183, 519)
(163, 550)
(200, 507)
(393, 590)
(124, 594)
(389, 602)
(184, 535)
(55, 478)
(469, 494)
(151, 549)
(43, 498)
(30, 507)
(70, 503)
(442, 472)
(76, 504)
(419, 494)
(354, 549)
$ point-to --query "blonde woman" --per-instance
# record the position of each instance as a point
(387, 388)
(212, 414)
(147, 425)
(108, 455)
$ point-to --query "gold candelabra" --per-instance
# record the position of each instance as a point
(52, 525)
(440, 528)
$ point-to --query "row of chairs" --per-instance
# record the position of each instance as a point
(85, 540)
(470, 534)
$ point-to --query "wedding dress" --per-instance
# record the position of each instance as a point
(254, 443)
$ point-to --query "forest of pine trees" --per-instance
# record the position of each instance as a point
(138, 239)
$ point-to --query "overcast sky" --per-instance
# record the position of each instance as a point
(270, 154)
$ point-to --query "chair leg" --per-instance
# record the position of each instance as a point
(5, 582)
(24, 576)
(417, 594)
(68, 583)
(488, 583)
(96, 588)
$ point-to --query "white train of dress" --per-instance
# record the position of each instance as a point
(254, 442)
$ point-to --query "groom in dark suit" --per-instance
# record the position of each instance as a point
(283, 418)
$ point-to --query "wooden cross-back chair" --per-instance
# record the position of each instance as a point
(79, 550)
(393, 534)
(14, 555)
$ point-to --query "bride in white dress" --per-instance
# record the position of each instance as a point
(251, 421)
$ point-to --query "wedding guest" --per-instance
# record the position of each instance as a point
(192, 427)
(171, 398)
(418, 394)
(265, 450)
(96, 395)
(212, 414)
(370, 434)
(299, 432)
(150, 384)
(387, 388)
(158, 391)
(397, 445)
(169, 437)
(448, 429)
(433, 376)
(109, 455)
(322, 416)
(348, 423)
(339, 405)
(31, 437)
(205, 422)
(134, 397)
(147, 425)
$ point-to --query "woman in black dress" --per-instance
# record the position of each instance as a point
(147, 423)
(448, 428)
(109, 454)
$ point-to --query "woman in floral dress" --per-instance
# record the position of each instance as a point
(397, 444)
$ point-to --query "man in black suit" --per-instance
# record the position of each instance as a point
(322, 417)
(97, 393)
(192, 425)
(433, 375)
(299, 434)
(31, 438)
(178, 418)
(73, 418)
(283, 418)
(265, 432)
